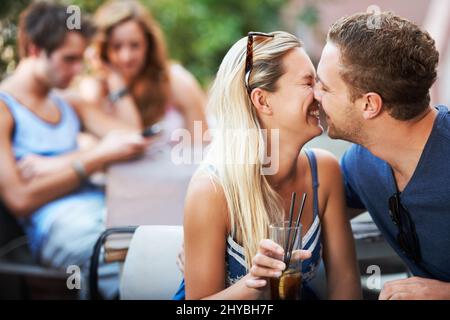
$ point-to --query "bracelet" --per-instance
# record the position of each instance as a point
(117, 95)
(80, 170)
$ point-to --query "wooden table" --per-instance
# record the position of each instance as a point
(147, 191)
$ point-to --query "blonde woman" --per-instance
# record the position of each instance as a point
(264, 82)
(129, 66)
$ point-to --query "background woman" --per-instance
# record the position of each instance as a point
(129, 65)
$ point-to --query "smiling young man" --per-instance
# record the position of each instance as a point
(373, 86)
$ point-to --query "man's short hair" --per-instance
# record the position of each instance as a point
(45, 25)
(388, 55)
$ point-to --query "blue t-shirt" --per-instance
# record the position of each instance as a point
(369, 183)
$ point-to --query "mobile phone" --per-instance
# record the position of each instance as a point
(152, 130)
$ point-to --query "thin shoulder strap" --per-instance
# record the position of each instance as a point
(315, 181)
(10, 102)
(7, 99)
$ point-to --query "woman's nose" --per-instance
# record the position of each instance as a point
(125, 55)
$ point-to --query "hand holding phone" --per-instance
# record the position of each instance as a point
(152, 130)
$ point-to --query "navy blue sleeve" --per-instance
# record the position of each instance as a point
(351, 196)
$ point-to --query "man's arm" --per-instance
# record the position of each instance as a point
(23, 197)
(415, 288)
(95, 120)
(34, 165)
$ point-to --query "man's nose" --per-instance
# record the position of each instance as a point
(317, 93)
(77, 68)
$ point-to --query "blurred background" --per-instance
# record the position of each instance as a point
(199, 32)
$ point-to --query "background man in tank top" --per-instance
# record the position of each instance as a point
(62, 213)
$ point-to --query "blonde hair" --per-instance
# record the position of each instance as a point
(252, 203)
(151, 91)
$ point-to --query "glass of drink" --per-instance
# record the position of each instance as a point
(289, 285)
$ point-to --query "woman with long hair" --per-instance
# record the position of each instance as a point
(264, 85)
(129, 65)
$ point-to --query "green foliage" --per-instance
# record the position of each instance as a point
(9, 13)
(309, 15)
(198, 32)
(10, 8)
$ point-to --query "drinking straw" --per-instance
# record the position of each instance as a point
(299, 215)
(291, 213)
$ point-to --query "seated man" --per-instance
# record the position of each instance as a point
(62, 214)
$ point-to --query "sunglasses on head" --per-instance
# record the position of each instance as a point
(249, 56)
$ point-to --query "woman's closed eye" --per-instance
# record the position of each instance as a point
(307, 81)
(320, 86)
(135, 45)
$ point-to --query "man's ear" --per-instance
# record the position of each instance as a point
(259, 100)
(373, 105)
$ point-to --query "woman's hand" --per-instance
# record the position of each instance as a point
(114, 79)
(268, 263)
(111, 77)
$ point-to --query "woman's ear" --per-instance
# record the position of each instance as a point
(259, 100)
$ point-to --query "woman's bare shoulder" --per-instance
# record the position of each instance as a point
(204, 186)
(181, 80)
(205, 200)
